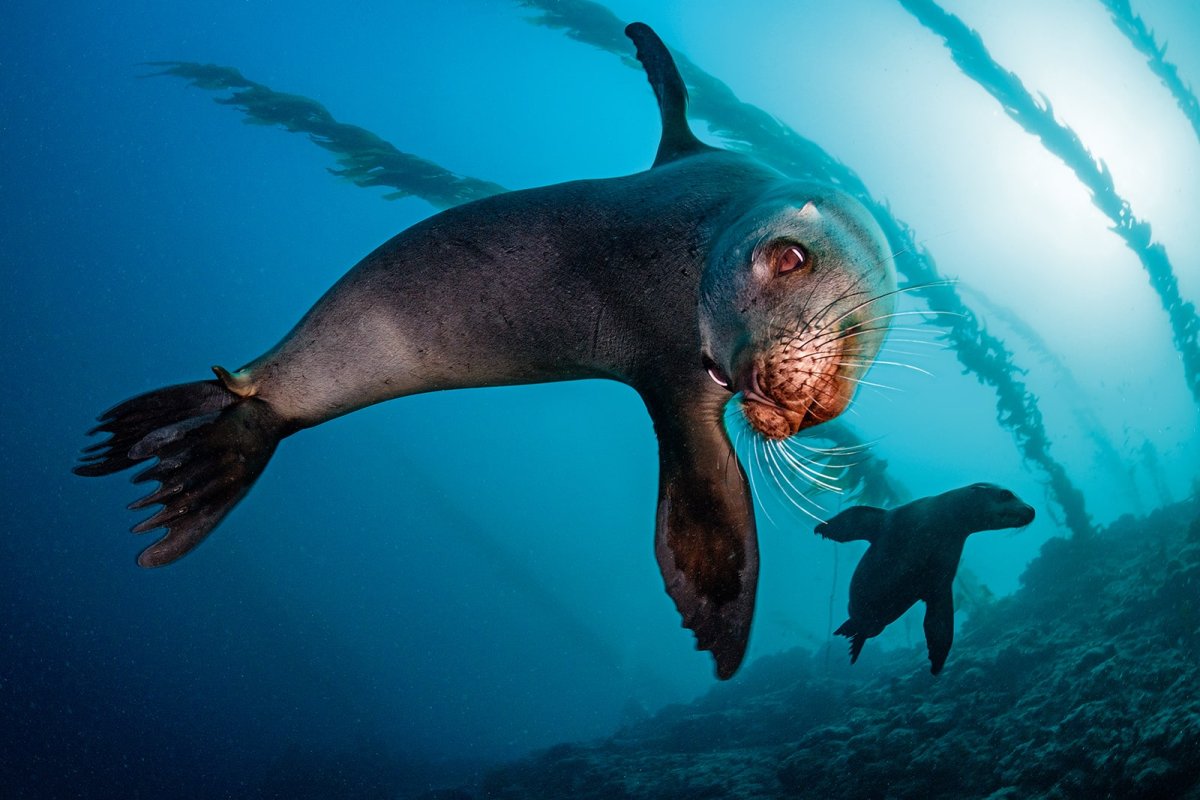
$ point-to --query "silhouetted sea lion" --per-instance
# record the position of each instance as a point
(913, 556)
(588, 279)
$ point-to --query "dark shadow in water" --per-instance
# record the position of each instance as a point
(1037, 118)
(365, 159)
(1142, 38)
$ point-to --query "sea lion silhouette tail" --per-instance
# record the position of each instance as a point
(211, 443)
(856, 637)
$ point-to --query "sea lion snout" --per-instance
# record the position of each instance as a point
(789, 387)
(989, 507)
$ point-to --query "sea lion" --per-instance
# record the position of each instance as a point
(587, 279)
(914, 554)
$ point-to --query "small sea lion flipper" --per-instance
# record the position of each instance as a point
(857, 523)
(857, 638)
(939, 627)
(677, 140)
(705, 539)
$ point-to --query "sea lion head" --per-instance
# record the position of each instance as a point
(795, 302)
(988, 507)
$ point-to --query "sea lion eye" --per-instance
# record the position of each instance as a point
(714, 372)
(790, 258)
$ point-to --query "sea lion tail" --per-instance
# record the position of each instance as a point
(211, 443)
(857, 638)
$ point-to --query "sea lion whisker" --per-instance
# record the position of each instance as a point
(792, 443)
(754, 443)
(849, 334)
(884, 364)
(912, 354)
(816, 320)
(776, 473)
(862, 382)
(801, 493)
(893, 315)
(802, 313)
(858, 279)
(827, 482)
(771, 453)
(940, 344)
(826, 464)
(892, 293)
(914, 312)
(803, 323)
(842, 448)
(825, 338)
(824, 482)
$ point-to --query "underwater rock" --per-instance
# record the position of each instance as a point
(1054, 692)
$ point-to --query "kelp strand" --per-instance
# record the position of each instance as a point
(364, 158)
(1037, 118)
(1142, 38)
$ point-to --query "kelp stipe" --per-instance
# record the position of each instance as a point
(1037, 118)
(1142, 38)
(1106, 452)
(365, 159)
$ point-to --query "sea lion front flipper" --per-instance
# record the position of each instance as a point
(939, 627)
(857, 523)
(705, 539)
(677, 141)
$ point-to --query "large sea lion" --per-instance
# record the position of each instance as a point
(914, 555)
(588, 279)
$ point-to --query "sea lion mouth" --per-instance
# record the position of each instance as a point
(781, 397)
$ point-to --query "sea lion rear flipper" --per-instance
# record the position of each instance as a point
(677, 140)
(211, 440)
(705, 539)
(857, 523)
(939, 627)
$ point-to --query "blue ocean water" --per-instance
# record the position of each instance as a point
(455, 579)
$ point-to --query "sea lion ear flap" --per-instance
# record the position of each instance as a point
(857, 523)
(677, 141)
